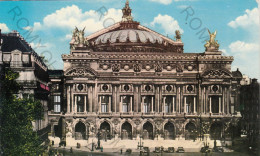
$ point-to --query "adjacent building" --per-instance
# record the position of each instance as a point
(16, 54)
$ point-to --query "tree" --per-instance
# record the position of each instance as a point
(17, 135)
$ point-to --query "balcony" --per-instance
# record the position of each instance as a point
(104, 114)
(27, 83)
(126, 114)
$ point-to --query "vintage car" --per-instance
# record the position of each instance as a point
(157, 150)
(170, 150)
(180, 150)
(205, 149)
(218, 149)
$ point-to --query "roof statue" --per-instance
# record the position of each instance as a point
(78, 39)
(178, 36)
(127, 12)
(212, 44)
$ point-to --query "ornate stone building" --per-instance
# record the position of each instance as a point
(129, 81)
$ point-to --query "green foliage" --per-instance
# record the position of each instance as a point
(17, 115)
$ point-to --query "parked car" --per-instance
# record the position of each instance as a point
(205, 149)
(157, 150)
(218, 149)
(146, 150)
(180, 150)
(170, 150)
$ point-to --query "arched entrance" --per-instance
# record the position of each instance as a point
(147, 131)
(169, 131)
(105, 130)
(216, 130)
(126, 131)
(190, 131)
(80, 131)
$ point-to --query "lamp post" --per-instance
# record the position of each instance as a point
(98, 136)
(140, 144)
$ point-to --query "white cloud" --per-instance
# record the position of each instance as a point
(40, 46)
(249, 19)
(243, 47)
(69, 17)
(165, 2)
(246, 57)
(4, 28)
(168, 24)
(184, 0)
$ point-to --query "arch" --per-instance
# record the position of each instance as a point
(105, 130)
(169, 131)
(80, 131)
(216, 130)
(126, 130)
(147, 130)
(190, 131)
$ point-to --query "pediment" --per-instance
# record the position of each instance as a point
(81, 72)
(217, 73)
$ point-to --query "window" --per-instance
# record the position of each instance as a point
(126, 102)
(104, 100)
(56, 104)
(80, 103)
(232, 99)
(169, 104)
(147, 101)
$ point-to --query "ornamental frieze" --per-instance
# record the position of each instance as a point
(190, 67)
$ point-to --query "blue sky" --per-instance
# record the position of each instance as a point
(236, 22)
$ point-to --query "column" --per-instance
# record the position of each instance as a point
(99, 104)
(72, 99)
(173, 104)
(131, 104)
(114, 98)
(76, 98)
(90, 92)
(109, 104)
(157, 96)
(219, 106)
(179, 100)
(142, 105)
(85, 103)
(95, 104)
(223, 99)
(68, 99)
(185, 104)
(204, 100)
(136, 100)
(194, 105)
(210, 105)
(228, 99)
(163, 107)
(152, 105)
(120, 104)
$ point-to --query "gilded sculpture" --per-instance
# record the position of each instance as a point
(212, 44)
(78, 39)
(177, 35)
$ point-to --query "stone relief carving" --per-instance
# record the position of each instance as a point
(216, 74)
(158, 67)
(179, 67)
(80, 72)
(115, 67)
(137, 67)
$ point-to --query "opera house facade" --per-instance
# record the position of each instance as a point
(129, 81)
